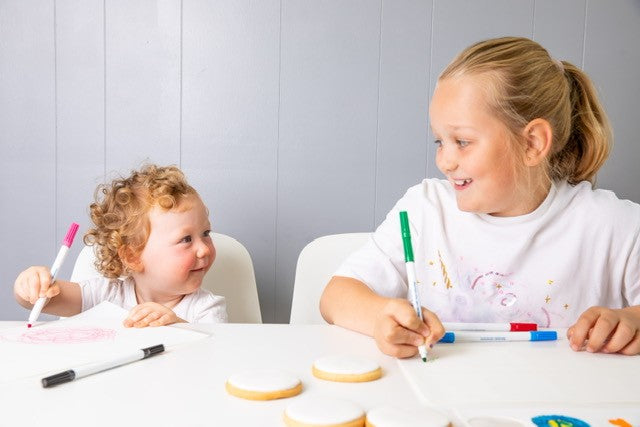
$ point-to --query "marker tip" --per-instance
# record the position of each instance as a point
(424, 359)
(28, 325)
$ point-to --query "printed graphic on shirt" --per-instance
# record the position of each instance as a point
(466, 293)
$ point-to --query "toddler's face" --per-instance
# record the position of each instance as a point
(473, 149)
(179, 251)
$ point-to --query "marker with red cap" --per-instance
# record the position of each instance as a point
(504, 327)
(62, 253)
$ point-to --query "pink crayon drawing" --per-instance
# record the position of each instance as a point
(75, 335)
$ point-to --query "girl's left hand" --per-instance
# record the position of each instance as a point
(607, 330)
(150, 314)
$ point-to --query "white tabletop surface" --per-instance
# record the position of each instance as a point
(186, 385)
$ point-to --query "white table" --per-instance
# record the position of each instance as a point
(185, 386)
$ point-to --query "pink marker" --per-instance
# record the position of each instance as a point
(62, 253)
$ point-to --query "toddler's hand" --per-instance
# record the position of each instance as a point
(607, 330)
(33, 283)
(398, 331)
(150, 314)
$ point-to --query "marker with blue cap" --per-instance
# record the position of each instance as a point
(468, 336)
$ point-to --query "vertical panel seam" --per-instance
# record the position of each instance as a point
(429, 71)
(533, 21)
(275, 248)
(55, 121)
(180, 83)
(104, 89)
(584, 33)
(375, 152)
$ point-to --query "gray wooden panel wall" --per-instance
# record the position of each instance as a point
(293, 119)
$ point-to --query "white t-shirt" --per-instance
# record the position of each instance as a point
(579, 248)
(199, 307)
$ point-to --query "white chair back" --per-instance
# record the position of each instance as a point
(231, 276)
(316, 264)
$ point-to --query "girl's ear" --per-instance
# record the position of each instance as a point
(539, 138)
(130, 259)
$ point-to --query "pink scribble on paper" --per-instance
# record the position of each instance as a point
(66, 335)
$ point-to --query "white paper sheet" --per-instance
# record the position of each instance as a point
(520, 373)
(92, 336)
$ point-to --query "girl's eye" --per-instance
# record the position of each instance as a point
(207, 233)
(462, 143)
(438, 142)
(186, 239)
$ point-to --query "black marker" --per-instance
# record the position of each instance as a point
(73, 374)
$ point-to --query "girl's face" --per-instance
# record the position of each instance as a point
(473, 149)
(179, 251)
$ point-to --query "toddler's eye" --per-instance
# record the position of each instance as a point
(186, 239)
(207, 233)
(462, 143)
(438, 142)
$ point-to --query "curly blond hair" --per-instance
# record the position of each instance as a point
(120, 214)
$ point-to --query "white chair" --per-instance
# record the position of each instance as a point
(231, 276)
(316, 264)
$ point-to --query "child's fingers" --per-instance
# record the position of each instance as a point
(633, 347)
(44, 276)
(621, 338)
(434, 326)
(579, 332)
(165, 319)
(406, 316)
(136, 314)
(146, 320)
(52, 291)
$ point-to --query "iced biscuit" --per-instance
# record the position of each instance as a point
(346, 369)
(263, 385)
(323, 412)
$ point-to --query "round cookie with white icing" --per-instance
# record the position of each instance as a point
(417, 416)
(317, 411)
(263, 385)
(346, 369)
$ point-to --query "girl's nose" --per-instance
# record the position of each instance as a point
(447, 160)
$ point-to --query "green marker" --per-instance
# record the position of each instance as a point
(411, 273)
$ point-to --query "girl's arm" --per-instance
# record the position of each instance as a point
(392, 322)
(65, 298)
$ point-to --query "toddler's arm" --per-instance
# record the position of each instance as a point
(65, 298)
(151, 314)
(392, 322)
(607, 330)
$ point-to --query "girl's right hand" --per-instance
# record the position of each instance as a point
(33, 283)
(398, 331)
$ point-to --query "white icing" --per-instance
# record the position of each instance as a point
(415, 416)
(263, 380)
(349, 365)
(323, 410)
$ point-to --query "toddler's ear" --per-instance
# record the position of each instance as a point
(130, 259)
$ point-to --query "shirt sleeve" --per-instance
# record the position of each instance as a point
(631, 287)
(210, 309)
(380, 262)
(93, 291)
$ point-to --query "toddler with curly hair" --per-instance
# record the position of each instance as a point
(153, 247)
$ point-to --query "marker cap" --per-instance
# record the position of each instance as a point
(62, 377)
(150, 351)
(448, 337)
(544, 335)
(523, 327)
